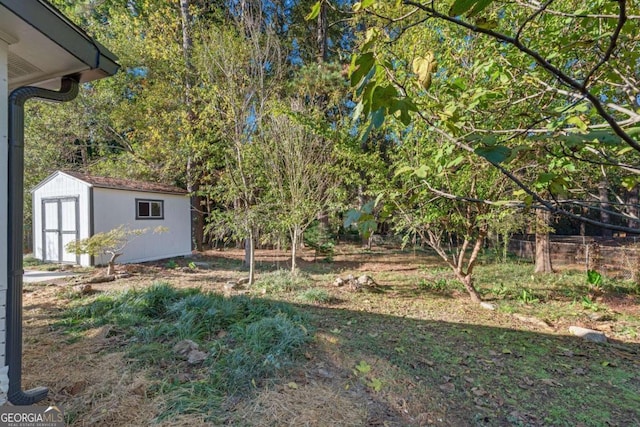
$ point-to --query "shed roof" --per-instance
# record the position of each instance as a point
(118, 183)
(126, 184)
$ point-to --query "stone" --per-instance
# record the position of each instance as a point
(532, 320)
(229, 286)
(190, 351)
(338, 282)
(184, 347)
(601, 317)
(364, 280)
(588, 334)
(243, 281)
(487, 306)
(196, 356)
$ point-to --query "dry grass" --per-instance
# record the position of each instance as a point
(313, 404)
(93, 386)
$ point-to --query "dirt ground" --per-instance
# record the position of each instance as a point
(91, 378)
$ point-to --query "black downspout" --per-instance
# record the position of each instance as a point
(17, 99)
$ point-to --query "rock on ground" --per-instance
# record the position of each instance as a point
(588, 334)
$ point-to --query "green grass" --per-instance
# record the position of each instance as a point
(315, 295)
(501, 376)
(248, 340)
(281, 281)
(31, 261)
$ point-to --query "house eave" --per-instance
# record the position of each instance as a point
(84, 59)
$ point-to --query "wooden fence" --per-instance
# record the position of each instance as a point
(619, 257)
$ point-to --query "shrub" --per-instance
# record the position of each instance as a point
(320, 240)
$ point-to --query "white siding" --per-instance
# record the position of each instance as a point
(57, 186)
(4, 175)
(113, 208)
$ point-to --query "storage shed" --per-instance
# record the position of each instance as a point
(70, 205)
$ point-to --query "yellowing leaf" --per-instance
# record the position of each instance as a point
(577, 122)
(292, 385)
(363, 367)
(375, 384)
(315, 11)
(487, 24)
(424, 67)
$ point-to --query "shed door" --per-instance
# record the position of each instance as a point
(60, 226)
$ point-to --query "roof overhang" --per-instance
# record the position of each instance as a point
(45, 46)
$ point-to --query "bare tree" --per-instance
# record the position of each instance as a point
(297, 163)
(241, 68)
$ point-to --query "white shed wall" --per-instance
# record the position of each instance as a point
(61, 185)
(113, 208)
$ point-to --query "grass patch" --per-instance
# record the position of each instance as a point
(31, 261)
(487, 375)
(281, 281)
(247, 340)
(315, 296)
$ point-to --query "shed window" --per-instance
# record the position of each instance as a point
(149, 209)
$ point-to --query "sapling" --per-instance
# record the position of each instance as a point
(111, 243)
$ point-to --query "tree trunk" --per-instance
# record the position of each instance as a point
(111, 266)
(295, 236)
(583, 225)
(321, 34)
(467, 281)
(632, 202)
(250, 256)
(197, 217)
(605, 218)
(543, 242)
(247, 252)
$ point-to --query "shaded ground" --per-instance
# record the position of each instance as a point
(413, 353)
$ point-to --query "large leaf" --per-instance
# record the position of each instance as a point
(424, 67)
(495, 154)
(377, 118)
(461, 6)
(364, 63)
(479, 7)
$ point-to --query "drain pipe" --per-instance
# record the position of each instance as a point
(17, 99)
